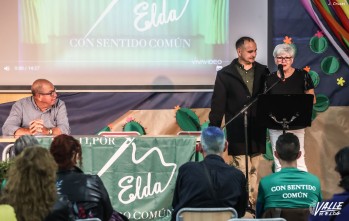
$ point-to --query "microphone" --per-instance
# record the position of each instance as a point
(281, 71)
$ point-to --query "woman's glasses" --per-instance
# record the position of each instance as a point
(283, 58)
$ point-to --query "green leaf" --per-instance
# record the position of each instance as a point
(105, 129)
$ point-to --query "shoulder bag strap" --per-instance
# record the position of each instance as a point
(207, 173)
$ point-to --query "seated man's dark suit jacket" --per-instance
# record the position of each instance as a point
(193, 188)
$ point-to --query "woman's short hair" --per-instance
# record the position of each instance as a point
(64, 149)
(283, 49)
(23, 142)
(212, 140)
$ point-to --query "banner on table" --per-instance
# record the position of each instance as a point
(138, 172)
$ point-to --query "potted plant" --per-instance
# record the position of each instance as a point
(4, 166)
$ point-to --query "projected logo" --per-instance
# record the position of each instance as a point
(148, 15)
(145, 16)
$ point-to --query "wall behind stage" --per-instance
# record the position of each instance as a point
(124, 43)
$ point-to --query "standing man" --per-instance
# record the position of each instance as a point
(41, 114)
(211, 182)
(235, 86)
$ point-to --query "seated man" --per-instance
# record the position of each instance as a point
(41, 114)
(211, 182)
(290, 187)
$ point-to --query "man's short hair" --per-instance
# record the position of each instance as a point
(212, 140)
(37, 85)
(242, 40)
(287, 147)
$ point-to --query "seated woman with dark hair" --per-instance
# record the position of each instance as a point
(339, 203)
(86, 192)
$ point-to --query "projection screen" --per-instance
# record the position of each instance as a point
(125, 44)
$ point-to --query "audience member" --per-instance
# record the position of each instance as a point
(339, 202)
(290, 187)
(86, 192)
(31, 189)
(211, 182)
(235, 86)
(41, 114)
(23, 142)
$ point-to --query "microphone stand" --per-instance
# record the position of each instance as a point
(244, 110)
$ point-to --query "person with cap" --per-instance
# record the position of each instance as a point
(40, 114)
(211, 182)
(22, 142)
(339, 202)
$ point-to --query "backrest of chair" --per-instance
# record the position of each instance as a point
(206, 214)
(197, 134)
(6, 153)
(189, 133)
(259, 219)
(89, 219)
(287, 213)
(119, 133)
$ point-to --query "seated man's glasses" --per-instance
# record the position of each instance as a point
(283, 58)
(51, 93)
